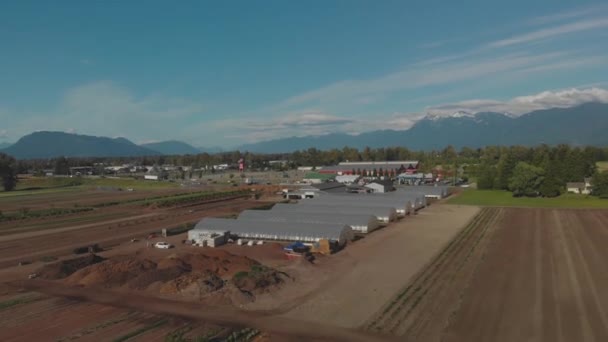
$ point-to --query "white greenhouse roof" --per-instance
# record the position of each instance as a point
(337, 208)
(292, 231)
(273, 215)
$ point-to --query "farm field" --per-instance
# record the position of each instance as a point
(542, 279)
(602, 166)
(499, 198)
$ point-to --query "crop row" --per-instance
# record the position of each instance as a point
(408, 299)
(25, 213)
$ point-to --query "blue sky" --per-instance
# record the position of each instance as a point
(232, 72)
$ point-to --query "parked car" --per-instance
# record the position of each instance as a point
(163, 245)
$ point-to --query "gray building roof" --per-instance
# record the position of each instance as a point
(359, 222)
(381, 213)
(416, 200)
(281, 231)
(363, 200)
(427, 190)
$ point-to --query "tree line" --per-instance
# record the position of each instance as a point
(527, 171)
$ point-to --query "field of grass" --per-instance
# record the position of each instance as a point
(602, 166)
(501, 198)
(37, 184)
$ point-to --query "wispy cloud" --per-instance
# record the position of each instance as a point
(551, 32)
(525, 104)
(569, 14)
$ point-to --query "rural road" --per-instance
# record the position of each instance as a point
(221, 316)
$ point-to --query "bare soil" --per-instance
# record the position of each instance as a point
(30, 246)
(543, 278)
(347, 288)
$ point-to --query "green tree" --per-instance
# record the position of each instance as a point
(526, 180)
(599, 183)
(550, 187)
(7, 172)
(485, 176)
(62, 166)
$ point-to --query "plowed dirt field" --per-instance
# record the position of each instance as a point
(543, 278)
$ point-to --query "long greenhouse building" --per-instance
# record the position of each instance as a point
(360, 223)
(276, 231)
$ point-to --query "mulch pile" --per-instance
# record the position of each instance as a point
(62, 269)
(193, 275)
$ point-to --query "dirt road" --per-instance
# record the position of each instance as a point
(194, 311)
(368, 273)
(543, 279)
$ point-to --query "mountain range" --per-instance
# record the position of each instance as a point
(585, 124)
(53, 144)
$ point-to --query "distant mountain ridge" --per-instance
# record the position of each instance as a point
(47, 144)
(171, 147)
(4, 145)
(585, 124)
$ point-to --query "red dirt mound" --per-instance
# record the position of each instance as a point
(111, 273)
(221, 263)
(259, 279)
(65, 268)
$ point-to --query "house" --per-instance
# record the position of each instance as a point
(579, 187)
(381, 186)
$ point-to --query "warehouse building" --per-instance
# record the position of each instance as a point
(402, 207)
(437, 192)
(275, 231)
(359, 223)
(383, 214)
(388, 167)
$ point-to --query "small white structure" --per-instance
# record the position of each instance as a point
(380, 186)
(579, 188)
(206, 237)
(151, 177)
(347, 179)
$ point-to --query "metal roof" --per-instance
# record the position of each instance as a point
(283, 231)
(339, 208)
(363, 200)
(273, 215)
(417, 199)
(426, 190)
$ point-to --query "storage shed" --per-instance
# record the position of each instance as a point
(277, 231)
(437, 192)
(360, 223)
(383, 214)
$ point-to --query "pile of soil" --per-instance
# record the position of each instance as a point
(195, 275)
(259, 279)
(220, 262)
(65, 268)
(111, 273)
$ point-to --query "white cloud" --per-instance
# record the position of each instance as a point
(570, 14)
(582, 25)
(525, 104)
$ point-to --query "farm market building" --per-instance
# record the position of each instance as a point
(385, 167)
(359, 223)
(276, 231)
